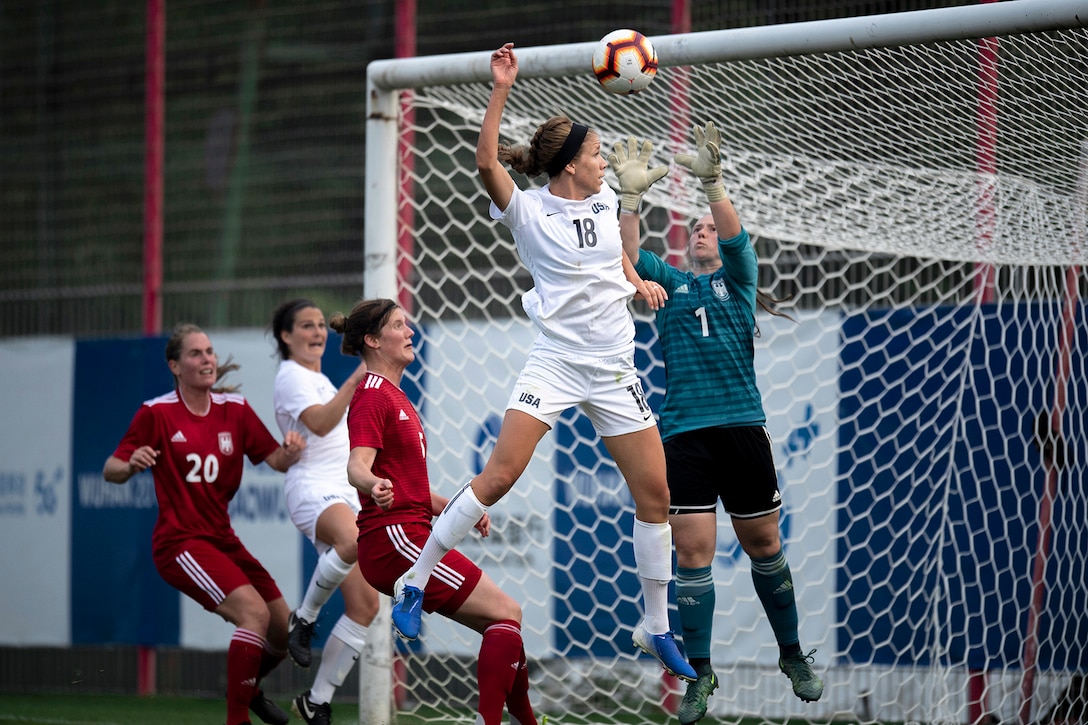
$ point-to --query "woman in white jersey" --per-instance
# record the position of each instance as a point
(321, 502)
(567, 234)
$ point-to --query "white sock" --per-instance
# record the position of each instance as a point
(330, 571)
(346, 640)
(461, 514)
(653, 559)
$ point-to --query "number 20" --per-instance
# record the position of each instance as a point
(209, 464)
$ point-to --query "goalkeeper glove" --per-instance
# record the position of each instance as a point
(631, 164)
(706, 164)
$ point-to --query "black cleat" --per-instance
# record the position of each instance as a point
(299, 635)
(312, 713)
(267, 710)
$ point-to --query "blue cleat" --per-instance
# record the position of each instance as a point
(663, 648)
(407, 609)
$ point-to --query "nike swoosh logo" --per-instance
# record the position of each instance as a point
(309, 713)
(553, 213)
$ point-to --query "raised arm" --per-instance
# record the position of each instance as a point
(496, 179)
(631, 163)
(321, 419)
(706, 164)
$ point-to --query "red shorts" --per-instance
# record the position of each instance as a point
(208, 571)
(387, 553)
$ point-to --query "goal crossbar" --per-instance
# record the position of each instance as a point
(766, 41)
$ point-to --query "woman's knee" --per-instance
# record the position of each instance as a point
(507, 608)
(248, 612)
(348, 550)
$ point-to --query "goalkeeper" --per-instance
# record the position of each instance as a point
(712, 420)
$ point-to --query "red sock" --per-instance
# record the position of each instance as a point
(517, 704)
(270, 659)
(500, 655)
(243, 666)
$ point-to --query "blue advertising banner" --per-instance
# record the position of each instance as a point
(117, 594)
(940, 484)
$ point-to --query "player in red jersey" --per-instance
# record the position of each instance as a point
(193, 440)
(388, 464)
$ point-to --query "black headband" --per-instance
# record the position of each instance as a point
(569, 149)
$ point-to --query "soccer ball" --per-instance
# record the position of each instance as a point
(625, 62)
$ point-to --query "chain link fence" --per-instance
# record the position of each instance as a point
(264, 143)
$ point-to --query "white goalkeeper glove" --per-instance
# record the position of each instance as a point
(631, 164)
(707, 163)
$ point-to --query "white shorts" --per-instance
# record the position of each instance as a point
(607, 389)
(307, 500)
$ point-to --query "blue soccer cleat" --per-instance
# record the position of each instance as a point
(407, 609)
(663, 648)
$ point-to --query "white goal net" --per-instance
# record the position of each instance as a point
(917, 184)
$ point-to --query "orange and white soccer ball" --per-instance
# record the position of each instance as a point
(625, 62)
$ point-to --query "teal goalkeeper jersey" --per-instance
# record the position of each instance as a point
(706, 331)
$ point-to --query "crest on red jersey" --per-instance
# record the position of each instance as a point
(226, 443)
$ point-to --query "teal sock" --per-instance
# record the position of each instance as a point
(695, 604)
(774, 585)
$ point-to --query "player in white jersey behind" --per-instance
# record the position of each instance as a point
(321, 502)
(567, 235)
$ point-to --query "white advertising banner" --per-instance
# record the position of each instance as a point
(36, 378)
(478, 363)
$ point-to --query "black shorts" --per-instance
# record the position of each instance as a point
(733, 464)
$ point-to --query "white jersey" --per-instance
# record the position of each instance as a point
(324, 461)
(573, 252)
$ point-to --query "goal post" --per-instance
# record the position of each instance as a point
(915, 183)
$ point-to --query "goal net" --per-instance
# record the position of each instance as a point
(916, 183)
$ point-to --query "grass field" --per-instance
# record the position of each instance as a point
(132, 710)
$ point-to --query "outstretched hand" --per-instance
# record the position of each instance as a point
(706, 164)
(504, 65)
(631, 162)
